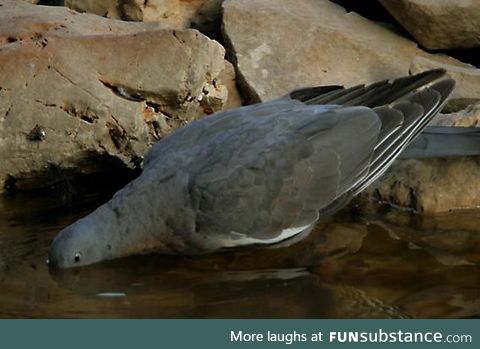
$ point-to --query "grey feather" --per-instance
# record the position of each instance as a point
(261, 174)
(442, 142)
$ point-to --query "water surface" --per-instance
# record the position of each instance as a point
(392, 265)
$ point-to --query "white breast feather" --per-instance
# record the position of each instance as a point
(238, 239)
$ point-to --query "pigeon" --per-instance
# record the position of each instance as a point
(259, 175)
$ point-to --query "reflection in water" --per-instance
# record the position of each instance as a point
(397, 266)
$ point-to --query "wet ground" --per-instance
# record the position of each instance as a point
(392, 265)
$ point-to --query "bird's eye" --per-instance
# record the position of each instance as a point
(77, 257)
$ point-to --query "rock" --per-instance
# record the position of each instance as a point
(430, 186)
(21, 21)
(204, 15)
(77, 87)
(468, 117)
(279, 45)
(105, 8)
(439, 24)
(46, 2)
(228, 79)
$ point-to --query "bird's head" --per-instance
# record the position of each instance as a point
(77, 245)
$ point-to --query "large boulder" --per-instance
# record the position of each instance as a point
(468, 117)
(204, 15)
(22, 21)
(47, 2)
(439, 24)
(75, 88)
(280, 45)
(430, 185)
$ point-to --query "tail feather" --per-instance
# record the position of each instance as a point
(418, 108)
(405, 106)
(443, 142)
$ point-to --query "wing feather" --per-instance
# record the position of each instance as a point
(265, 170)
(286, 174)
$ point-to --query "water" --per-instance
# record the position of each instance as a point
(393, 265)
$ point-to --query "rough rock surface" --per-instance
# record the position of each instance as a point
(204, 15)
(468, 117)
(430, 186)
(279, 45)
(22, 21)
(47, 2)
(439, 24)
(76, 87)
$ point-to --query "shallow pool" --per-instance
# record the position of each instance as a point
(392, 265)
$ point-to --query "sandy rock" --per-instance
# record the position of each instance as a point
(203, 15)
(280, 45)
(75, 88)
(431, 185)
(20, 21)
(228, 79)
(46, 2)
(439, 24)
(468, 117)
(105, 8)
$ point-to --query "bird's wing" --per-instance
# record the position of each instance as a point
(202, 131)
(404, 105)
(273, 175)
(263, 170)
